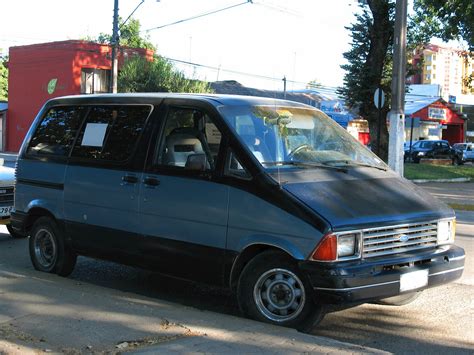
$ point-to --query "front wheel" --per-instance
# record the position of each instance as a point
(14, 234)
(271, 289)
(48, 250)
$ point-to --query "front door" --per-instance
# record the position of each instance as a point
(183, 210)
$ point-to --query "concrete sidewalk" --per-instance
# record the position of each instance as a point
(451, 193)
(46, 313)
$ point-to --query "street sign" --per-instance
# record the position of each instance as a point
(379, 98)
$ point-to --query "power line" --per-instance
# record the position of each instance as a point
(322, 87)
(198, 16)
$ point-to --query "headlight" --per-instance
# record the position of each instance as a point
(446, 231)
(347, 245)
(338, 247)
(420, 154)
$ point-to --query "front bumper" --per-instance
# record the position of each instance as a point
(18, 222)
(372, 279)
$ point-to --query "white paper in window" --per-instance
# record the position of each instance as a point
(94, 134)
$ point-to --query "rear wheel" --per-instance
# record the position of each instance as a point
(14, 234)
(48, 250)
(271, 289)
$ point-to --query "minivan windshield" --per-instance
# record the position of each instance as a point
(280, 136)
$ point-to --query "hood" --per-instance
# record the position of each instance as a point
(365, 197)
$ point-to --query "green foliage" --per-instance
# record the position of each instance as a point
(433, 172)
(448, 20)
(3, 80)
(369, 64)
(140, 75)
(129, 36)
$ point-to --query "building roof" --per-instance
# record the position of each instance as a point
(414, 106)
(3, 106)
(233, 87)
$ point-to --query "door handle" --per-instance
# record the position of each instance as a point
(130, 179)
(151, 181)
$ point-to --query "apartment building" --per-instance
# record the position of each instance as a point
(447, 67)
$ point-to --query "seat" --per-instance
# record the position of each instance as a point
(257, 147)
(181, 143)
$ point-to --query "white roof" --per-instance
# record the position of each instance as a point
(412, 106)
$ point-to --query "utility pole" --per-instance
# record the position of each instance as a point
(397, 113)
(115, 40)
(284, 87)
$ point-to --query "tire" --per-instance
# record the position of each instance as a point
(48, 250)
(400, 300)
(14, 234)
(271, 289)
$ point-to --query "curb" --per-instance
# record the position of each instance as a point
(422, 181)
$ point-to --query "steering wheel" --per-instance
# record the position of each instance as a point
(299, 149)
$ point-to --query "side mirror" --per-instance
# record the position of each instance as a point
(196, 162)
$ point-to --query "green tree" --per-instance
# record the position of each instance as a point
(140, 75)
(448, 20)
(370, 65)
(3, 80)
(129, 36)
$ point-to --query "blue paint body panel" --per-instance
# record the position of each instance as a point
(198, 224)
(253, 220)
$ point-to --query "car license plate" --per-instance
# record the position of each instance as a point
(413, 280)
(5, 211)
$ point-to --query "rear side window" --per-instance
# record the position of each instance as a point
(110, 133)
(55, 134)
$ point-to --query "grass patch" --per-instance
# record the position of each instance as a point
(435, 172)
(461, 207)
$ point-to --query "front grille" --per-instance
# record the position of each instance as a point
(6, 194)
(399, 239)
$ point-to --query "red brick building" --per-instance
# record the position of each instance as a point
(43, 71)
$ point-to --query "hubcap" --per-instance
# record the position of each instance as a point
(45, 248)
(279, 295)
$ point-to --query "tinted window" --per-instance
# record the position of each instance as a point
(56, 132)
(111, 132)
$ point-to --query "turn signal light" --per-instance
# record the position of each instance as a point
(326, 249)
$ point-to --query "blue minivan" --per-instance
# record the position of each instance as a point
(269, 198)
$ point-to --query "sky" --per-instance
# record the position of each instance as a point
(302, 40)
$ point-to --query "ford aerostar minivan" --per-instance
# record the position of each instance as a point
(270, 198)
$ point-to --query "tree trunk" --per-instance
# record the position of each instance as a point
(380, 34)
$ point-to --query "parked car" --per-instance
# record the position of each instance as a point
(7, 180)
(463, 152)
(426, 149)
(269, 198)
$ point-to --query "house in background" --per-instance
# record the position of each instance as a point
(40, 72)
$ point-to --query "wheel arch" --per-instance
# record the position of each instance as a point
(250, 252)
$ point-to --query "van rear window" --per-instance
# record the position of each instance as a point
(110, 133)
(55, 134)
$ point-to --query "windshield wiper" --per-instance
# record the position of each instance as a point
(304, 164)
(351, 162)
